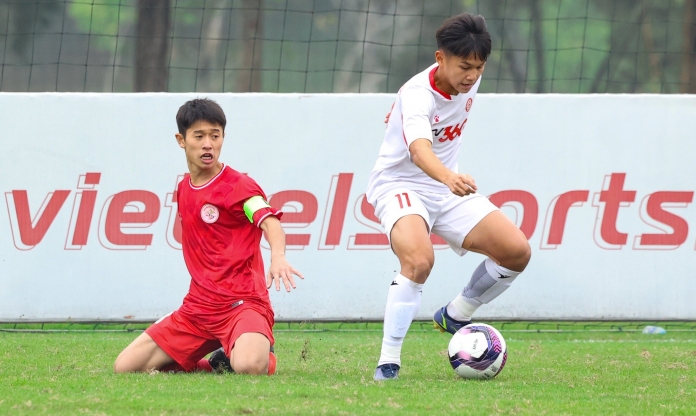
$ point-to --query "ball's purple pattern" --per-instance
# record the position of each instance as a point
(489, 356)
(503, 363)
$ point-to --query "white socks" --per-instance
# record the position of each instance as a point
(487, 282)
(403, 302)
(462, 308)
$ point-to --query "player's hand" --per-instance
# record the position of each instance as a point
(281, 270)
(461, 184)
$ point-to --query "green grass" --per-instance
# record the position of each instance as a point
(590, 368)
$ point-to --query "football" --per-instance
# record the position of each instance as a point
(477, 351)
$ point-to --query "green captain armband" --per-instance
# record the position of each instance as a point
(254, 204)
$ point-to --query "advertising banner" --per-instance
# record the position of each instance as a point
(602, 186)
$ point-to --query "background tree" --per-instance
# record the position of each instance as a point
(688, 72)
(152, 47)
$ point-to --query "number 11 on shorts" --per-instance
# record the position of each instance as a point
(401, 203)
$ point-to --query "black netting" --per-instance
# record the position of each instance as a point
(558, 46)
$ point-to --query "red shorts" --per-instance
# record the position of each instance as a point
(187, 339)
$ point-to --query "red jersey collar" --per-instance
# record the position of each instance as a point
(209, 182)
(433, 86)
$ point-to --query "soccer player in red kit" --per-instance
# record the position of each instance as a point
(223, 216)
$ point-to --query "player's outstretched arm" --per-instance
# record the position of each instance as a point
(422, 155)
(280, 268)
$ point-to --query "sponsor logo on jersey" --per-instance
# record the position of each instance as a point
(469, 102)
(209, 213)
(449, 132)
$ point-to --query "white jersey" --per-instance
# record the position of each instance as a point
(421, 111)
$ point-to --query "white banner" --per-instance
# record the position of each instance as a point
(603, 186)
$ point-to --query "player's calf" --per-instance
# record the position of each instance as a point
(488, 281)
(142, 355)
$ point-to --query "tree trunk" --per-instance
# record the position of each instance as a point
(688, 72)
(250, 80)
(151, 69)
(537, 27)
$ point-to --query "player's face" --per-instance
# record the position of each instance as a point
(202, 144)
(459, 73)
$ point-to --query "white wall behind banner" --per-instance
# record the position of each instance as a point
(602, 185)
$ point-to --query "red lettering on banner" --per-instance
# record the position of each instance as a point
(84, 218)
(378, 240)
(558, 209)
(31, 230)
(300, 218)
(530, 208)
(90, 179)
(130, 209)
(436, 240)
(659, 218)
(341, 191)
(78, 231)
(613, 197)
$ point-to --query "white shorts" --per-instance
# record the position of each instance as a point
(450, 216)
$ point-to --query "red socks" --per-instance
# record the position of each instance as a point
(201, 365)
(271, 363)
(172, 368)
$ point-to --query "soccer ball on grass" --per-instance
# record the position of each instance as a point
(477, 351)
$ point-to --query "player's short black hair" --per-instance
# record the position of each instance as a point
(465, 35)
(199, 109)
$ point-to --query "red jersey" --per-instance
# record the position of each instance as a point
(221, 244)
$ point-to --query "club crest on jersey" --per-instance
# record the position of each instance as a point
(469, 102)
(437, 119)
(209, 213)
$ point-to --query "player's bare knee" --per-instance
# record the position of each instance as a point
(422, 267)
(524, 254)
(117, 367)
(120, 365)
(518, 256)
(253, 366)
(418, 267)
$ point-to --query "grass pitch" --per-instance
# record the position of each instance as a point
(552, 368)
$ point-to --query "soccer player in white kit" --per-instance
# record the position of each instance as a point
(416, 188)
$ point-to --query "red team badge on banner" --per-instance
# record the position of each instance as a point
(468, 104)
(209, 213)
